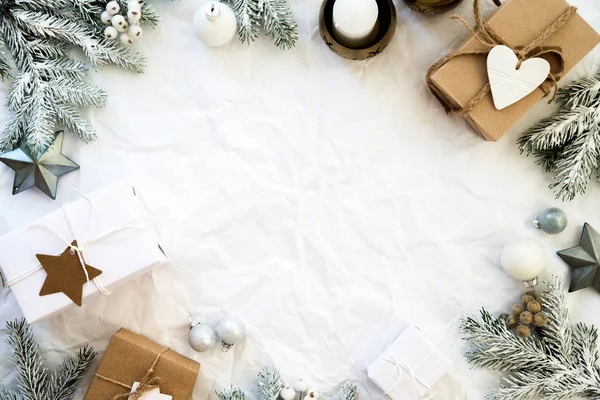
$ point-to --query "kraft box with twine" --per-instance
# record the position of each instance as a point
(113, 234)
(550, 29)
(133, 366)
(409, 368)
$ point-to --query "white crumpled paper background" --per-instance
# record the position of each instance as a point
(327, 203)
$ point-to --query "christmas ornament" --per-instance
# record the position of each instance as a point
(510, 79)
(113, 8)
(200, 337)
(105, 17)
(584, 260)
(287, 393)
(231, 331)
(125, 39)
(558, 363)
(111, 32)
(41, 169)
(300, 386)
(524, 259)
(67, 273)
(215, 24)
(566, 143)
(312, 394)
(431, 7)
(125, 26)
(119, 22)
(34, 379)
(551, 220)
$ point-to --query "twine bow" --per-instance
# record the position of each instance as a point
(401, 369)
(147, 383)
(488, 37)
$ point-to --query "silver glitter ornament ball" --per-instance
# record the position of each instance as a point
(231, 330)
(201, 337)
(552, 221)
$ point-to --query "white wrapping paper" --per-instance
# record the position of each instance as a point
(111, 225)
(410, 367)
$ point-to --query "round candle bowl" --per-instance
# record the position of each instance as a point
(382, 34)
(432, 7)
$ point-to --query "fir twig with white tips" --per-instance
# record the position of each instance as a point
(269, 384)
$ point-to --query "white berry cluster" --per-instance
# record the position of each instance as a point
(127, 29)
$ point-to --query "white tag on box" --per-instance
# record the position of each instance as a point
(113, 227)
(153, 394)
(410, 366)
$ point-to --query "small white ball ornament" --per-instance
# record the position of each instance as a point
(231, 330)
(301, 386)
(126, 39)
(111, 33)
(287, 393)
(119, 22)
(312, 394)
(524, 259)
(113, 8)
(105, 17)
(215, 24)
(135, 31)
(133, 17)
(201, 337)
(134, 4)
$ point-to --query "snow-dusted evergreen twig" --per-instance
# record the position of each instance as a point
(49, 86)
(568, 142)
(348, 392)
(275, 16)
(34, 380)
(560, 363)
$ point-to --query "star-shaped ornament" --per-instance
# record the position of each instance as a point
(42, 169)
(66, 274)
(584, 260)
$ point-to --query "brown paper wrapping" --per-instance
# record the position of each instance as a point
(519, 22)
(127, 360)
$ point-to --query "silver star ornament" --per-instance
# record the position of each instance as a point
(584, 260)
(41, 170)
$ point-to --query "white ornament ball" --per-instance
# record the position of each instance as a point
(135, 31)
(113, 8)
(134, 4)
(201, 337)
(119, 22)
(133, 17)
(215, 23)
(105, 17)
(287, 393)
(312, 394)
(111, 33)
(523, 259)
(231, 331)
(126, 39)
(300, 386)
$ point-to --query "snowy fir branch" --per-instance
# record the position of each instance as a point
(49, 86)
(348, 392)
(269, 384)
(275, 17)
(567, 143)
(558, 363)
(232, 394)
(34, 380)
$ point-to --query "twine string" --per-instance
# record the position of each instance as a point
(402, 370)
(147, 383)
(488, 37)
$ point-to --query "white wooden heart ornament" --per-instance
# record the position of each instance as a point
(509, 84)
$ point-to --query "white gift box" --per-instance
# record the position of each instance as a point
(114, 230)
(410, 366)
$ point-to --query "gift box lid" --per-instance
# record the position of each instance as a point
(127, 360)
(518, 22)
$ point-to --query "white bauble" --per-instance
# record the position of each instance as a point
(201, 337)
(111, 33)
(133, 16)
(113, 8)
(287, 393)
(119, 22)
(300, 386)
(105, 17)
(137, 4)
(126, 39)
(215, 23)
(231, 331)
(523, 259)
(135, 31)
(312, 394)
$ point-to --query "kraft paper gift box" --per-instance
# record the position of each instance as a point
(113, 227)
(518, 22)
(409, 367)
(127, 361)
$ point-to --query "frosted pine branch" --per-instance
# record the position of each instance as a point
(70, 117)
(63, 383)
(269, 384)
(279, 24)
(232, 394)
(248, 19)
(348, 392)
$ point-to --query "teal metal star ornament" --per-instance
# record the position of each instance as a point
(42, 169)
(584, 260)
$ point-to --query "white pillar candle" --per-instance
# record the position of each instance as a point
(353, 21)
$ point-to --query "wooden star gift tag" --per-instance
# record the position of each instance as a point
(65, 274)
